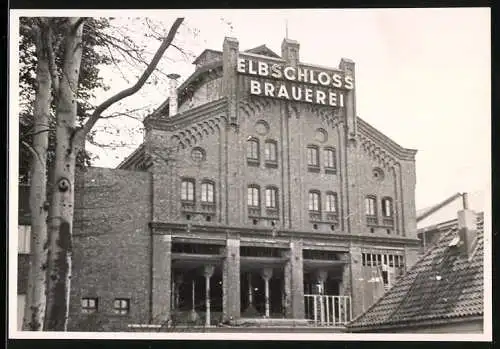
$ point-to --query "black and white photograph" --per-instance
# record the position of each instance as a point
(289, 174)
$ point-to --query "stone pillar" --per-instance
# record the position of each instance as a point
(295, 274)
(161, 291)
(194, 315)
(287, 285)
(230, 53)
(267, 274)
(357, 282)
(208, 271)
(347, 66)
(179, 279)
(231, 280)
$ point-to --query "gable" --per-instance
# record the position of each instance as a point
(263, 50)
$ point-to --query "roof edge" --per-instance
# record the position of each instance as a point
(378, 136)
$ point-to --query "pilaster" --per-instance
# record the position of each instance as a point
(161, 270)
(231, 280)
(296, 275)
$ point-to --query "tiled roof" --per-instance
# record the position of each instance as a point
(443, 285)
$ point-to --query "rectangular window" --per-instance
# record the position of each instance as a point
(387, 207)
(187, 190)
(331, 202)
(207, 192)
(271, 201)
(370, 206)
(21, 301)
(121, 306)
(369, 260)
(253, 149)
(330, 158)
(312, 156)
(270, 151)
(89, 305)
(24, 239)
(253, 197)
(313, 201)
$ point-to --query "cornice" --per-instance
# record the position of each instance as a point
(252, 106)
(136, 156)
(163, 227)
(370, 135)
(187, 117)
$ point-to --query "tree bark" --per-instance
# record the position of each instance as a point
(34, 310)
(61, 210)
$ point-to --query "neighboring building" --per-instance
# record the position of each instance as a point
(256, 185)
(432, 221)
(442, 292)
(24, 248)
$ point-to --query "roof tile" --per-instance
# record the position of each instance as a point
(443, 284)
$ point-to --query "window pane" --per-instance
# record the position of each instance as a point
(271, 198)
(270, 151)
(329, 158)
(184, 190)
(312, 156)
(253, 149)
(253, 196)
(313, 201)
(210, 193)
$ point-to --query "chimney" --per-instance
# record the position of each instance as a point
(467, 226)
(172, 93)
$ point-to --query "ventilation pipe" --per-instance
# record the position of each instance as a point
(467, 227)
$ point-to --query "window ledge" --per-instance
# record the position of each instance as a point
(271, 164)
(313, 168)
(330, 170)
(253, 162)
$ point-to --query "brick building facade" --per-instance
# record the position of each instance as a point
(276, 207)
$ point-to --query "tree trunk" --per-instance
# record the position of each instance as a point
(34, 310)
(61, 213)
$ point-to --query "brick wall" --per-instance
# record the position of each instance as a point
(111, 247)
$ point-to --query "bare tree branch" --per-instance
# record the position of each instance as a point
(131, 90)
(32, 150)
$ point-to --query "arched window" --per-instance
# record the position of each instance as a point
(187, 189)
(207, 192)
(331, 202)
(253, 149)
(371, 205)
(330, 158)
(271, 151)
(253, 199)
(314, 201)
(312, 155)
(387, 210)
(271, 197)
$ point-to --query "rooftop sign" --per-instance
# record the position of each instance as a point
(296, 83)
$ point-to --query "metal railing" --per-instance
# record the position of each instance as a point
(325, 310)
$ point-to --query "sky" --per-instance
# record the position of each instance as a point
(422, 78)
